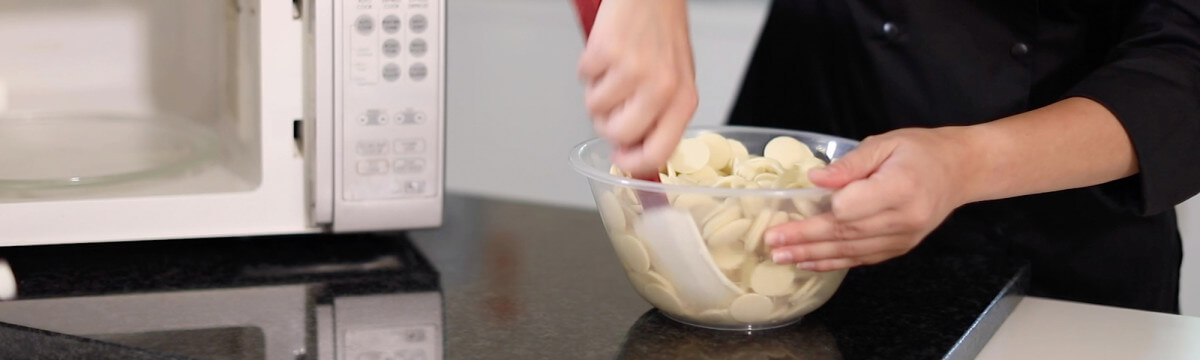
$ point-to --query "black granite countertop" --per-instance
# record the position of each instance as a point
(526, 281)
(523, 281)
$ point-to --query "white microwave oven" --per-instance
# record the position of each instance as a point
(152, 119)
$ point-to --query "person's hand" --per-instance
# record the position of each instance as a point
(890, 192)
(641, 91)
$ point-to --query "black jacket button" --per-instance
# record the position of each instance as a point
(891, 31)
(1020, 49)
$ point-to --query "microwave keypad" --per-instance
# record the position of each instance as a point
(392, 88)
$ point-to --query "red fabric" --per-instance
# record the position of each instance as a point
(587, 13)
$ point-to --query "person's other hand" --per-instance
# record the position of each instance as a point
(640, 80)
(890, 192)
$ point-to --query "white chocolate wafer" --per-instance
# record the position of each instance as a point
(737, 153)
(806, 290)
(747, 268)
(773, 279)
(787, 150)
(751, 168)
(706, 176)
(778, 219)
(718, 316)
(754, 236)
(729, 234)
(719, 220)
(751, 205)
(632, 253)
(731, 182)
(700, 206)
(663, 298)
(690, 156)
(809, 164)
(614, 170)
(611, 212)
(718, 148)
(751, 308)
(728, 258)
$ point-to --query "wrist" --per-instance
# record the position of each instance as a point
(973, 160)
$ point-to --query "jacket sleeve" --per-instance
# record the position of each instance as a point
(1151, 82)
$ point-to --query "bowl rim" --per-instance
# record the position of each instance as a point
(577, 163)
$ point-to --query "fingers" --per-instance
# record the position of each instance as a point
(846, 263)
(639, 77)
(596, 59)
(855, 165)
(878, 193)
(825, 243)
(847, 249)
(662, 139)
(826, 227)
(604, 97)
(630, 126)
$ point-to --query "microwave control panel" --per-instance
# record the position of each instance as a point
(392, 96)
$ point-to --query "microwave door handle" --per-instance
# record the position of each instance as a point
(319, 110)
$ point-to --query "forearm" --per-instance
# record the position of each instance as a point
(1073, 143)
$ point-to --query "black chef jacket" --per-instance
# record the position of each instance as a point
(861, 67)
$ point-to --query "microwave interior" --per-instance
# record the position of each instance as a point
(126, 98)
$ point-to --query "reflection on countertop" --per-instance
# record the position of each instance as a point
(655, 336)
(273, 298)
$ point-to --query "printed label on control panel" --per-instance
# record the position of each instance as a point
(408, 343)
(363, 58)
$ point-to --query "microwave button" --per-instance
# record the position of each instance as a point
(410, 117)
(414, 186)
(364, 24)
(373, 117)
(391, 48)
(418, 71)
(391, 24)
(418, 23)
(418, 47)
(372, 147)
(373, 167)
(410, 146)
(391, 72)
(409, 166)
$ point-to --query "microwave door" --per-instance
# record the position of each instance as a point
(374, 120)
(317, 136)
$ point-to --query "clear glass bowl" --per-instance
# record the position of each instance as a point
(669, 253)
(46, 151)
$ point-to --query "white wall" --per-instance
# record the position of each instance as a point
(516, 109)
(515, 106)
